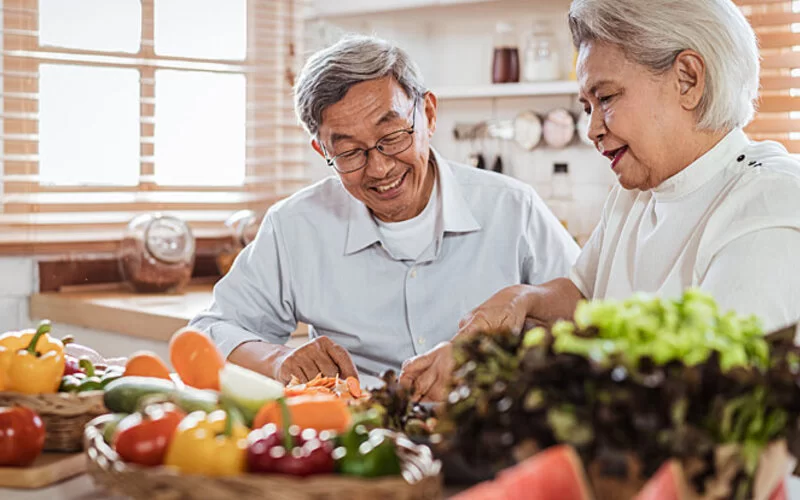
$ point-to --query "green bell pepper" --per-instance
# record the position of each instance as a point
(111, 374)
(90, 379)
(70, 383)
(366, 453)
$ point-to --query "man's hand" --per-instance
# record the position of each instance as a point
(505, 311)
(320, 355)
(429, 374)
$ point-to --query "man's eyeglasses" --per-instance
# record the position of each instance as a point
(389, 145)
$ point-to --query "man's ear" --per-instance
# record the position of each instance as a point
(431, 106)
(317, 147)
(690, 71)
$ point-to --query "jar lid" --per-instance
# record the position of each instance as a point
(168, 239)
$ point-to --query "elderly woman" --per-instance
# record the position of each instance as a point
(668, 86)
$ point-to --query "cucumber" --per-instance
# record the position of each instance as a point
(190, 399)
(111, 427)
(123, 395)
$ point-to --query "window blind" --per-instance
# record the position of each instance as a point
(80, 159)
(775, 23)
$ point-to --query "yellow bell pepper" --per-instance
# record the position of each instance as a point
(211, 444)
(5, 362)
(31, 361)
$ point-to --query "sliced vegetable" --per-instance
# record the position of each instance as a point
(146, 364)
(248, 390)
(196, 359)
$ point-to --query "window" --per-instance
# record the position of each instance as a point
(777, 25)
(114, 108)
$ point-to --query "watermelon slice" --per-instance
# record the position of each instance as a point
(780, 492)
(553, 474)
(668, 483)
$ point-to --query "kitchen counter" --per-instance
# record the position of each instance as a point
(116, 309)
(82, 488)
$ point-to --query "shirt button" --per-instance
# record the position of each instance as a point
(421, 341)
(413, 272)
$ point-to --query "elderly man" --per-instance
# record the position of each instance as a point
(384, 258)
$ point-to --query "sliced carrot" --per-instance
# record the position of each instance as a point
(146, 364)
(354, 387)
(196, 359)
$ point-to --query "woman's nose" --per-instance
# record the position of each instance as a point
(597, 126)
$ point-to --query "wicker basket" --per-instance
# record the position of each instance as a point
(64, 415)
(421, 479)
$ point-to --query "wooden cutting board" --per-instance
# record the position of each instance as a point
(49, 468)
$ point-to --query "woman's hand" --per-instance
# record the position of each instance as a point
(516, 308)
(504, 312)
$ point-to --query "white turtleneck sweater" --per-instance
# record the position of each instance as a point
(729, 223)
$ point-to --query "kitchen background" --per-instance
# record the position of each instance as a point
(453, 42)
(531, 125)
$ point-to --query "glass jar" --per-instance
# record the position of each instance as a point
(505, 61)
(541, 61)
(157, 253)
(242, 229)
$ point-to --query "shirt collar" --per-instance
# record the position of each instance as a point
(704, 168)
(456, 216)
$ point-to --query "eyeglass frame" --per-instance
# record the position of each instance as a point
(410, 131)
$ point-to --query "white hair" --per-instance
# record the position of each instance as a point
(653, 32)
(329, 74)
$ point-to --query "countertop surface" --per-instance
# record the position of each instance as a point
(82, 488)
(116, 309)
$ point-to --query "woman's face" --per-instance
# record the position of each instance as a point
(637, 118)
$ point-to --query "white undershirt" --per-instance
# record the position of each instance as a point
(729, 224)
(409, 238)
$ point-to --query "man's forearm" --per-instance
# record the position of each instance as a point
(259, 356)
(553, 300)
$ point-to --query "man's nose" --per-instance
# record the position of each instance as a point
(378, 164)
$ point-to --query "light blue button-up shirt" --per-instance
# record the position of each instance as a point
(318, 258)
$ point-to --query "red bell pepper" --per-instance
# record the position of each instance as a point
(143, 438)
(289, 450)
(308, 454)
(71, 365)
(21, 436)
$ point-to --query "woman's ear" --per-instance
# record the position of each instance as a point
(690, 70)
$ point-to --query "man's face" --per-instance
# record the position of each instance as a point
(394, 188)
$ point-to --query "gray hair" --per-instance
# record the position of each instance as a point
(329, 74)
(653, 32)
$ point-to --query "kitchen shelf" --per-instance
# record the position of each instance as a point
(564, 87)
(323, 9)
